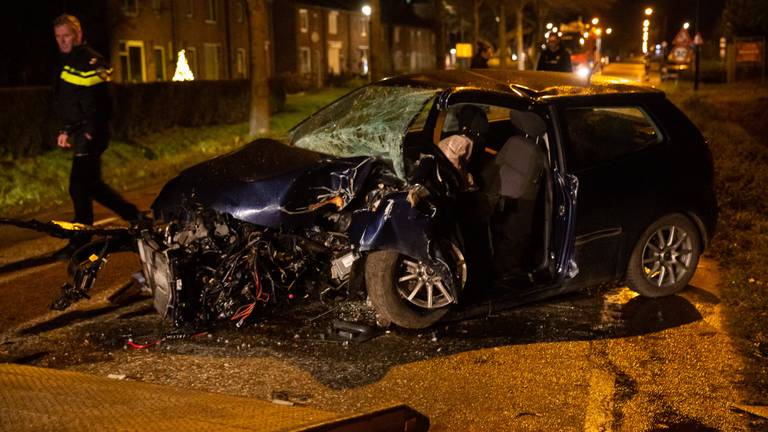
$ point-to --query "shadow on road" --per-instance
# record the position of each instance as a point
(27, 263)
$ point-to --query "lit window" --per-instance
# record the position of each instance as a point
(333, 19)
(159, 53)
(397, 35)
(241, 70)
(303, 20)
(211, 58)
(132, 61)
(306, 60)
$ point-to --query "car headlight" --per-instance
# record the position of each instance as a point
(583, 71)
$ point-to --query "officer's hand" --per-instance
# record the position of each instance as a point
(62, 140)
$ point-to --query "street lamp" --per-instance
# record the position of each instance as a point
(686, 25)
(609, 30)
(648, 11)
(366, 9)
(549, 26)
(595, 20)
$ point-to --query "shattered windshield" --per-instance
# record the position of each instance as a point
(372, 121)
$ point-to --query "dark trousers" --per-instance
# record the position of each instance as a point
(86, 185)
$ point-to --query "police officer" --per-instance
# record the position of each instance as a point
(555, 58)
(83, 104)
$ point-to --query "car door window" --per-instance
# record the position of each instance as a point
(599, 134)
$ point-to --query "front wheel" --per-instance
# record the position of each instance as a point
(405, 291)
(665, 257)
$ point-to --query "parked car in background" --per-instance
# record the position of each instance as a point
(567, 185)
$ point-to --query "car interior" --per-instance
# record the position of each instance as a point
(511, 234)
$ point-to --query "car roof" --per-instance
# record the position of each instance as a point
(523, 84)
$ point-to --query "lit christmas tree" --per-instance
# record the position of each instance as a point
(183, 72)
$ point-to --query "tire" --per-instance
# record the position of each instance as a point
(665, 257)
(384, 271)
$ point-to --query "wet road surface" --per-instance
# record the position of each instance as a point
(600, 360)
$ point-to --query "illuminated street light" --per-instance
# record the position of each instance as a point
(549, 26)
(609, 30)
(598, 31)
(581, 41)
(560, 34)
(648, 11)
(646, 23)
(686, 25)
(595, 20)
(554, 29)
(586, 35)
(367, 10)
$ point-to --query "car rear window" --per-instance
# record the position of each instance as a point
(600, 134)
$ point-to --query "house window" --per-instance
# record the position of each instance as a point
(303, 20)
(305, 60)
(210, 11)
(241, 71)
(159, 53)
(131, 7)
(190, 8)
(240, 11)
(333, 22)
(211, 58)
(363, 27)
(132, 61)
(397, 35)
(192, 60)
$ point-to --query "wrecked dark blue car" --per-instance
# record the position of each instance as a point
(423, 193)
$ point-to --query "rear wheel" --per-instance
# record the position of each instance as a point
(406, 291)
(665, 257)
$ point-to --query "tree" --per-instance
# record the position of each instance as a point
(746, 17)
(257, 35)
(379, 58)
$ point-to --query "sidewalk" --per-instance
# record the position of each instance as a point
(38, 399)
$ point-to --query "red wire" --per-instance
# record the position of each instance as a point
(133, 345)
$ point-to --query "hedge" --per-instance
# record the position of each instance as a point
(28, 123)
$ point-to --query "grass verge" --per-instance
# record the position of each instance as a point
(732, 118)
(28, 185)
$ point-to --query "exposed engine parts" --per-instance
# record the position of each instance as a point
(206, 266)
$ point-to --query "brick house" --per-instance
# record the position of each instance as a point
(148, 34)
(316, 38)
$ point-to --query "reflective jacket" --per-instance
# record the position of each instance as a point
(82, 96)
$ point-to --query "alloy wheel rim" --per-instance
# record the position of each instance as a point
(420, 285)
(667, 256)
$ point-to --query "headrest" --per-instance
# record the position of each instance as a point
(473, 122)
(529, 123)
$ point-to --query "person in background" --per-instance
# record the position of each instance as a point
(556, 58)
(480, 59)
(83, 105)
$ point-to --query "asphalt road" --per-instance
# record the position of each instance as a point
(605, 360)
